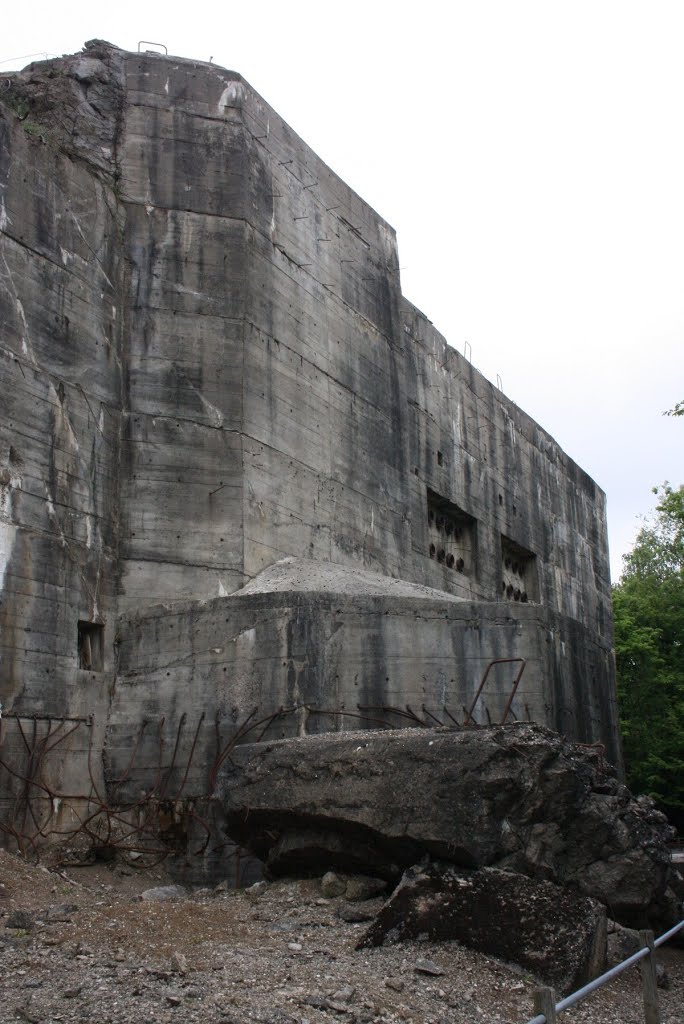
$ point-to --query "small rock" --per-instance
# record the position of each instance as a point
(396, 984)
(344, 994)
(662, 977)
(174, 1000)
(73, 992)
(622, 942)
(294, 947)
(286, 925)
(332, 885)
(315, 999)
(353, 913)
(22, 919)
(363, 887)
(161, 893)
(179, 963)
(27, 1014)
(61, 914)
(428, 967)
(258, 889)
(331, 1004)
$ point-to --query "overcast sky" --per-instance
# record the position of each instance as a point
(530, 157)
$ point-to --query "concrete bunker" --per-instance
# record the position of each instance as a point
(239, 445)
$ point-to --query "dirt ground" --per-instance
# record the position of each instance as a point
(87, 948)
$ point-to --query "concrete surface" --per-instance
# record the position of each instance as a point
(208, 367)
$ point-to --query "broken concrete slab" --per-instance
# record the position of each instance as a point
(559, 936)
(519, 797)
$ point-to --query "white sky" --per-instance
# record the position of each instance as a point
(530, 156)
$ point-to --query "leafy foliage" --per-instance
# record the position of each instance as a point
(649, 643)
(677, 410)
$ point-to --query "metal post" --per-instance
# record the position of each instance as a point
(648, 980)
(545, 1002)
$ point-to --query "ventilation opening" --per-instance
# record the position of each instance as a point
(452, 535)
(519, 575)
(90, 646)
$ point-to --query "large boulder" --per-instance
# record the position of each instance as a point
(558, 936)
(516, 797)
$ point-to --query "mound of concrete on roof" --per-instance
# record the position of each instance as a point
(305, 576)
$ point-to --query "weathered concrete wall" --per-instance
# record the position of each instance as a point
(209, 367)
(350, 652)
(264, 338)
(508, 473)
(62, 390)
(62, 384)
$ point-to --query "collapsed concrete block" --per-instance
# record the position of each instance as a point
(520, 798)
(559, 936)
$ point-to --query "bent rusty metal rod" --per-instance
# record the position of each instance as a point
(157, 782)
(53, 795)
(131, 761)
(32, 771)
(426, 712)
(190, 756)
(103, 809)
(243, 731)
(454, 720)
(35, 780)
(351, 714)
(416, 718)
(496, 661)
(199, 852)
(388, 710)
(269, 723)
(169, 772)
(61, 738)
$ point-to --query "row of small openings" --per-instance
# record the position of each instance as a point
(451, 534)
(519, 580)
(518, 568)
(446, 524)
(449, 560)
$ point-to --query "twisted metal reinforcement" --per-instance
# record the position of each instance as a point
(142, 828)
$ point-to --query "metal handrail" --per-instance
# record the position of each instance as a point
(582, 993)
(148, 42)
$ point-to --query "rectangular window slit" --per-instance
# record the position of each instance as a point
(90, 646)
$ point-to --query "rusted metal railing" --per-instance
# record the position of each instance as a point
(516, 682)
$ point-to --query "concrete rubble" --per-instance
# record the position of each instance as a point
(519, 798)
(558, 936)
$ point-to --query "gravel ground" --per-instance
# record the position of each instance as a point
(88, 948)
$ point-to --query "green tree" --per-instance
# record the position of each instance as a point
(649, 646)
